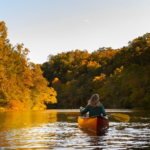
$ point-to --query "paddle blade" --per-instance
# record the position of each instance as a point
(121, 117)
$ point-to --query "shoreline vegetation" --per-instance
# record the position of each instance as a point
(22, 85)
(121, 77)
(67, 80)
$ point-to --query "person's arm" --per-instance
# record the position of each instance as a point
(84, 110)
(103, 110)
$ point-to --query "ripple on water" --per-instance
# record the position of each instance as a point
(67, 135)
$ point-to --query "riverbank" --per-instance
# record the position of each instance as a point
(75, 110)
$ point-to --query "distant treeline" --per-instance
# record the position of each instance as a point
(121, 77)
(22, 85)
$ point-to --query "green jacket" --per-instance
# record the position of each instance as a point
(94, 111)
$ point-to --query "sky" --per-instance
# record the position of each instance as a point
(54, 26)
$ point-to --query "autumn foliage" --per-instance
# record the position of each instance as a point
(22, 85)
(120, 76)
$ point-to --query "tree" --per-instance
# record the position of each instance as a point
(22, 85)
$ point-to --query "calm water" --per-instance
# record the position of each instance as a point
(51, 129)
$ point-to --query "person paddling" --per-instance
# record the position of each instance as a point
(94, 107)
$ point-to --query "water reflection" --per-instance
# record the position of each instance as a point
(14, 120)
(21, 129)
(57, 130)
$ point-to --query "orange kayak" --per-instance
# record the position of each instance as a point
(95, 124)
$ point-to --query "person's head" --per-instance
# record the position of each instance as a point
(94, 100)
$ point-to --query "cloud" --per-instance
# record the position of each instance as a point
(88, 21)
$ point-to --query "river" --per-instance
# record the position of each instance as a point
(58, 130)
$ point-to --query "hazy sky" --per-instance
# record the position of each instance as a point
(54, 26)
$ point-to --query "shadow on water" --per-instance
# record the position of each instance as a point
(51, 129)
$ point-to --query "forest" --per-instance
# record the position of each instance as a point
(22, 85)
(121, 77)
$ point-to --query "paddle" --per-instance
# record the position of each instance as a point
(120, 117)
